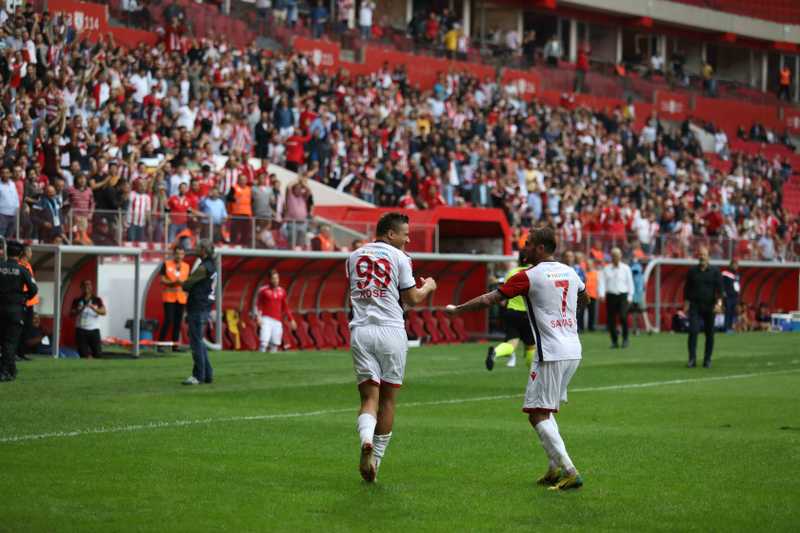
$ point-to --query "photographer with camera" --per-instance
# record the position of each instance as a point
(87, 310)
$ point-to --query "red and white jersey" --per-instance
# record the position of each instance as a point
(378, 273)
(138, 208)
(551, 292)
(272, 302)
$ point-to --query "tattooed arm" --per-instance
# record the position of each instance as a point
(481, 302)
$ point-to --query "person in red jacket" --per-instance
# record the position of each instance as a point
(295, 151)
(271, 307)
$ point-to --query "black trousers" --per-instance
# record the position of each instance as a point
(88, 341)
(696, 315)
(11, 323)
(730, 313)
(173, 318)
(617, 309)
(27, 320)
(591, 312)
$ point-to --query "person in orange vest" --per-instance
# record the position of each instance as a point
(591, 292)
(240, 198)
(27, 316)
(324, 241)
(173, 273)
(785, 82)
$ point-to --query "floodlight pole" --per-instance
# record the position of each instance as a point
(57, 302)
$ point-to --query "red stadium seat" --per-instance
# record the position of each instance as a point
(458, 326)
(343, 326)
(318, 332)
(416, 326)
(303, 333)
(432, 326)
(248, 334)
(446, 327)
(331, 329)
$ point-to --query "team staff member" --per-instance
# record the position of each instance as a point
(516, 324)
(88, 308)
(16, 288)
(27, 317)
(731, 281)
(173, 273)
(616, 286)
(702, 292)
(271, 307)
(200, 286)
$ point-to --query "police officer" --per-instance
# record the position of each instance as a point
(16, 288)
(200, 287)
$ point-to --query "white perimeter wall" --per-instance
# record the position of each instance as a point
(115, 287)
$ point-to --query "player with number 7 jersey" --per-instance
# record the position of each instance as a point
(553, 293)
(380, 277)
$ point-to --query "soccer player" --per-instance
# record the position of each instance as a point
(271, 306)
(553, 293)
(516, 324)
(380, 277)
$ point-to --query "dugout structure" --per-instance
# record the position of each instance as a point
(316, 282)
(773, 283)
(59, 272)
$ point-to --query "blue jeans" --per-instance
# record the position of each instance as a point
(202, 370)
(136, 234)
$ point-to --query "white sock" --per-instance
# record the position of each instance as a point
(548, 449)
(366, 427)
(554, 444)
(379, 447)
(273, 348)
(262, 347)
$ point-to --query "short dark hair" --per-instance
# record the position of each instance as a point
(390, 222)
(544, 235)
(273, 271)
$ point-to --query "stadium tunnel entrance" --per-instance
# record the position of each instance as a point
(317, 293)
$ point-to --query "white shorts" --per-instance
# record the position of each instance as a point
(547, 385)
(379, 354)
(271, 331)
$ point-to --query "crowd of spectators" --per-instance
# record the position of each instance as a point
(102, 143)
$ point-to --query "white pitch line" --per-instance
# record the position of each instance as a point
(277, 416)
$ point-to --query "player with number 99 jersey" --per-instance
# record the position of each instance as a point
(377, 273)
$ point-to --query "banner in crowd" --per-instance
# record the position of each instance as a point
(791, 118)
(527, 83)
(673, 106)
(90, 20)
(323, 54)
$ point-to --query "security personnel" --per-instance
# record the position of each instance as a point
(702, 292)
(16, 288)
(200, 286)
(785, 83)
(731, 282)
(173, 273)
(29, 305)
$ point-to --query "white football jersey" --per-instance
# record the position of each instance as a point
(551, 292)
(377, 273)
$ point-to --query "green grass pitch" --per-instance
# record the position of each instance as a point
(120, 445)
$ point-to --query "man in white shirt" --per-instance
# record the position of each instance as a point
(9, 204)
(554, 296)
(615, 286)
(365, 18)
(380, 281)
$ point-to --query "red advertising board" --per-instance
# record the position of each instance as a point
(673, 106)
(791, 119)
(322, 53)
(89, 20)
(528, 83)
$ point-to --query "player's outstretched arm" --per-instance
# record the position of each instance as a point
(481, 302)
(414, 295)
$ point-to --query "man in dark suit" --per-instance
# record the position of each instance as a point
(702, 292)
(263, 133)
